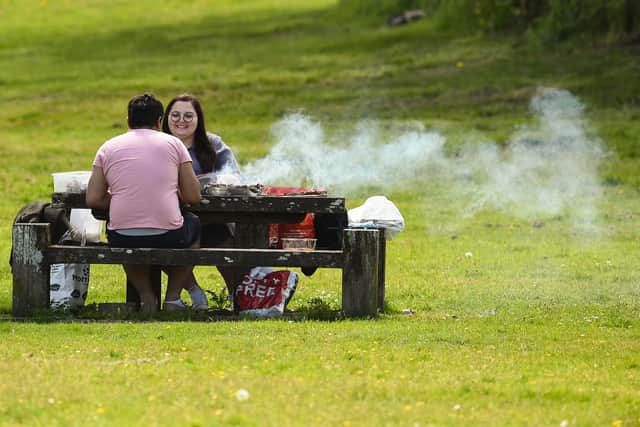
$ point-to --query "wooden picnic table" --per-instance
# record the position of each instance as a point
(361, 257)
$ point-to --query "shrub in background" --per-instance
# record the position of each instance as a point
(615, 19)
(548, 20)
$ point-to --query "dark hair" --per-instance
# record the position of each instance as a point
(144, 111)
(205, 153)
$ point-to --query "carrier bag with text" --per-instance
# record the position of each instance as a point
(68, 285)
(265, 292)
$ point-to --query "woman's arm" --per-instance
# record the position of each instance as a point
(188, 184)
(97, 196)
(225, 159)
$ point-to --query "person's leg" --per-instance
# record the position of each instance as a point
(140, 277)
(198, 297)
(233, 276)
(214, 235)
(179, 277)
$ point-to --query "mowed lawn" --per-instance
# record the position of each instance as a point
(512, 294)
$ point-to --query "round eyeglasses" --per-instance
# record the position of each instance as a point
(187, 117)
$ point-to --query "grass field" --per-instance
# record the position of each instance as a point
(518, 258)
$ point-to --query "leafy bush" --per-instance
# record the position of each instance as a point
(617, 19)
(318, 309)
(549, 20)
(219, 300)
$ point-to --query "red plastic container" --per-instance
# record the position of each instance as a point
(302, 230)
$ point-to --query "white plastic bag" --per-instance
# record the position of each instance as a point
(68, 285)
(378, 212)
(83, 221)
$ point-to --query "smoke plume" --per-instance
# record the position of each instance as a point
(549, 167)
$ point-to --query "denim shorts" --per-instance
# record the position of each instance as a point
(179, 238)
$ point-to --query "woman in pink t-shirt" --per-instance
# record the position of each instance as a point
(140, 177)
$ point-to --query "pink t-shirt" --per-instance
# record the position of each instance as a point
(141, 169)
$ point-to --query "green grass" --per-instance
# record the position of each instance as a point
(539, 325)
(393, 371)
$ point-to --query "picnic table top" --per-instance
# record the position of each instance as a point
(254, 208)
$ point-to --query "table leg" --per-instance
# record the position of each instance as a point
(360, 272)
(382, 260)
(30, 268)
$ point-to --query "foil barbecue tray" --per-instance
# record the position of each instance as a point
(231, 190)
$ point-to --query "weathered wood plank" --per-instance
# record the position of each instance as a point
(272, 204)
(360, 272)
(240, 217)
(203, 256)
(249, 217)
(382, 263)
(236, 204)
(30, 268)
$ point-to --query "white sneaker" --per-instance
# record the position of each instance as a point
(175, 305)
(198, 299)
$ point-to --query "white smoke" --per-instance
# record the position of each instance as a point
(303, 156)
(548, 168)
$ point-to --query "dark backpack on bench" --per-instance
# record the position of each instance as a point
(43, 212)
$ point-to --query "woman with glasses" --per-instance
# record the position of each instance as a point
(184, 119)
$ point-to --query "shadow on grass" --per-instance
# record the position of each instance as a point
(314, 309)
(122, 312)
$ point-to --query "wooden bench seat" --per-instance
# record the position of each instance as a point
(203, 256)
(360, 259)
